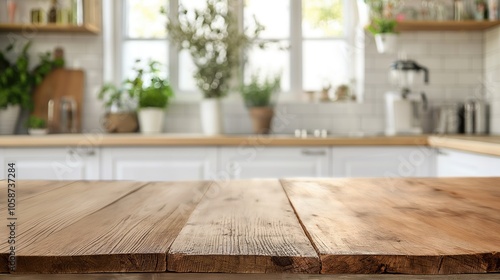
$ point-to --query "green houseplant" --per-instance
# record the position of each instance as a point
(17, 82)
(121, 103)
(145, 90)
(382, 25)
(154, 97)
(215, 43)
(259, 97)
(36, 126)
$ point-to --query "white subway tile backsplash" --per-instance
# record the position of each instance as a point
(443, 48)
(457, 64)
(474, 79)
(444, 78)
(372, 125)
(345, 125)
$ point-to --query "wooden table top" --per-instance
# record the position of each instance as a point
(299, 226)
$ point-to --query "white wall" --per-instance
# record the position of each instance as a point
(455, 61)
(492, 75)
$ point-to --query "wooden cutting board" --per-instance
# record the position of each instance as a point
(60, 83)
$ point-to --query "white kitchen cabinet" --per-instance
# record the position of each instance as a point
(383, 162)
(273, 162)
(72, 163)
(158, 164)
(452, 163)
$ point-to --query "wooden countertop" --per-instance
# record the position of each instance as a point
(306, 226)
(120, 140)
(489, 145)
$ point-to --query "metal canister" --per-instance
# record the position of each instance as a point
(469, 117)
(480, 117)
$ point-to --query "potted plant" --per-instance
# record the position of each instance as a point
(259, 97)
(214, 40)
(153, 99)
(17, 82)
(121, 103)
(36, 126)
(384, 31)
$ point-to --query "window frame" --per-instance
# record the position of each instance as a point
(296, 40)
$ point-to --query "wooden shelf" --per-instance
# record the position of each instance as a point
(446, 25)
(46, 28)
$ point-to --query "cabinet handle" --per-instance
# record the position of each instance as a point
(442, 153)
(90, 152)
(314, 152)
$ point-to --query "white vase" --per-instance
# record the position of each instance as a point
(386, 42)
(8, 119)
(151, 120)
(211, 116)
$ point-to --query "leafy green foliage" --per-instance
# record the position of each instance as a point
(260, 93)
(215, 42)
(326, 15)
(158, 93)
(382, 25)
(146, 88)
(36, 122)
(17, 81)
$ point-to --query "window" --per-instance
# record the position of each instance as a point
(316, 34)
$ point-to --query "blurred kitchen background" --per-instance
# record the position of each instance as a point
(326, 46)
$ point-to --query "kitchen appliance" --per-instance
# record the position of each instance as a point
(405, 109)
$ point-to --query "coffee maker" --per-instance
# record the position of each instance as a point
(404, 108)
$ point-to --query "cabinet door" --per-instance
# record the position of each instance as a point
(158, 164)
(52, 163)
(461, 164)
(270, 162)
(383, 162)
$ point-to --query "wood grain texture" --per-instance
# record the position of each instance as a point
(43, 213)
(471, 25)
(58, 84)
(243, 227)
(24, 191)
(127, 140)
(488, 145)
(130, 233)
(218, 276)
(411, 226)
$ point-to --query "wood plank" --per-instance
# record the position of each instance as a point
(412, 226)
(28, 189)
(487, 145)
(217, 276)
(131, 234)
(24, 191)
(60, 83)
(243, 227)
(127, 140)
(52, 28)
(415, 25)
(44, 214)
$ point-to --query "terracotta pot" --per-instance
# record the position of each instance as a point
(261, 119)
(121, 122)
